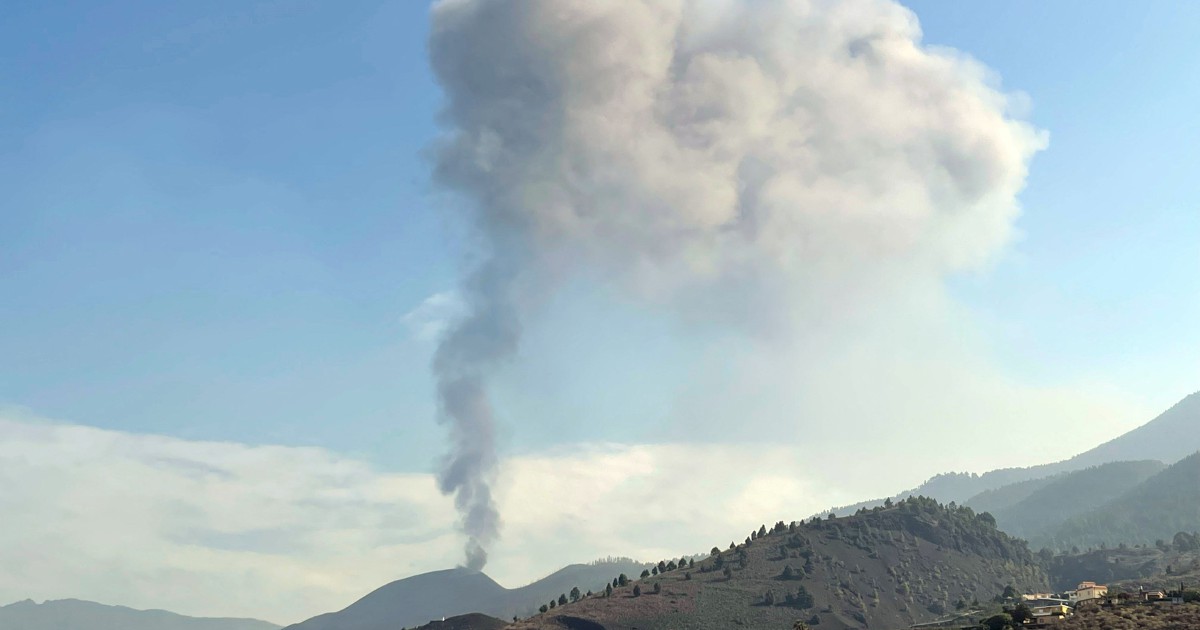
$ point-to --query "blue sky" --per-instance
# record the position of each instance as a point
(214, 217)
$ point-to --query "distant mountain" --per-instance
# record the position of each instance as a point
(74, 614)
(1060, 497)
(914, 562)
(1158, 508)
(416, 600)
(1171, 436)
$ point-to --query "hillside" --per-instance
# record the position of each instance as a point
(1171, 436)
(1134, 618)
(913, 562)
(74, 614)
(1069, 494)
(1127, 568)
(416, 600)
(1164, 504)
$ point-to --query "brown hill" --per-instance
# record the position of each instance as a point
(473, 621)
(888, 567)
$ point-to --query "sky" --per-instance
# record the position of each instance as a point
(225, 267)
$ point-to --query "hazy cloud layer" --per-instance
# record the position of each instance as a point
(769, 167)
(280, 533)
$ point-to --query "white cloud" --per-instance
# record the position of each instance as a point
(434, 315)
(281, 533)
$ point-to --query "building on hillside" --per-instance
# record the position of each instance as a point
(1086, 591)
(1151, 596)
(1045, 615)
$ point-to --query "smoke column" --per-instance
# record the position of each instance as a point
(753, 163)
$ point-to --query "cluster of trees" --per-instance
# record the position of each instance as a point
(800, 598)
(1011, 618)
(574, 596)
(1183, 541)
(669, 565)
(793, 574)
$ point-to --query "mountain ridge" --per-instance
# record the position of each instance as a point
(60, 614)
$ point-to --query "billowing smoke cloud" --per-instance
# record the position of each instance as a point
(756, 162)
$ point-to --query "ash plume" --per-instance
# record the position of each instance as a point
(757, 164)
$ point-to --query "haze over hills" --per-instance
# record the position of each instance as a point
(416, 600)
(1169, 437)
(1172, 436)
(74, 614)
(1156, 509)
(1065, 495)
